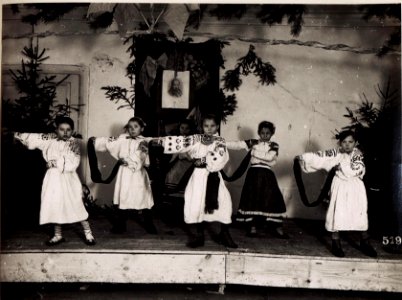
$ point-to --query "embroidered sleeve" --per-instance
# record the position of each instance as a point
(355, 167)
(71, 159)
(327, 153)
(217, 159)
(35, 140)
(179, 144)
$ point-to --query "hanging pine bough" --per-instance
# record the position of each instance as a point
(250, 63)
(118, 94)
(274, 14)
(229, 104)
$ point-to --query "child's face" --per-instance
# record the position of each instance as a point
(265, 134)
(134, 129)
(348, 144)
(64, 131)
(210, 127)
(184, 129)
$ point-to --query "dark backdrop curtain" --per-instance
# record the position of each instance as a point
(204, 81)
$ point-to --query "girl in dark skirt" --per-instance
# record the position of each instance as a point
(261, 197)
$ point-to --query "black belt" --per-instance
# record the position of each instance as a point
(211, 193)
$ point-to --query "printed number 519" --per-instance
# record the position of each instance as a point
(391, 240)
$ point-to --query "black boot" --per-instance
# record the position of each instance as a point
(197, 240)
(148, 222)
(225, 238)
(336, 248)
(119, 222)
(367, 249)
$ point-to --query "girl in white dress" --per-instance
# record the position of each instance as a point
(206, 197)
(133, 187)
(61, 199)
(347, 209)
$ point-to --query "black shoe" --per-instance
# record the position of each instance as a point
(150, 228)
(367, 249)
(52, 243)
(226, 240)
(337, 249)
(148, 223)
(90, 242)
(195, 242)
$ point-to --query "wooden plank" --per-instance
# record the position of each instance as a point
(121, 268)
(267, 271)
(307, 272)
(369, 274)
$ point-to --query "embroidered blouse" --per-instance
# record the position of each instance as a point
(210, 149)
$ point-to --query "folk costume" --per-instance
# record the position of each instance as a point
(133, 186)
(206, 197)
(348, 200)
(61, 197)
(261, 196)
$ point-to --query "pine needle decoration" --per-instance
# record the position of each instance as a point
(249, 64)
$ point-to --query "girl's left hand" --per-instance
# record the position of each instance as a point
(143, 147)
(52, 163)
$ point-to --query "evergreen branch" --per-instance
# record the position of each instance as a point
(117, 94)
(250, 63)
(274, 14)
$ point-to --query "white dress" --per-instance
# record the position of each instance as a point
(216, 155)
(348, 203)
(133, 187)
(61, 199)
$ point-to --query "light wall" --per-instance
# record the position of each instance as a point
(306, 104)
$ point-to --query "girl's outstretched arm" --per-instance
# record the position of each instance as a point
(321, 160)
(34, 140)
(108, 144)
(240, 145)
(177, 144)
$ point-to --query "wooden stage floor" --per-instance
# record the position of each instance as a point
(303, 261)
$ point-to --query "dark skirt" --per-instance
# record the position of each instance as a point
(261, 195)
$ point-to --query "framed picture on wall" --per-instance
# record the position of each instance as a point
(176, 89)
